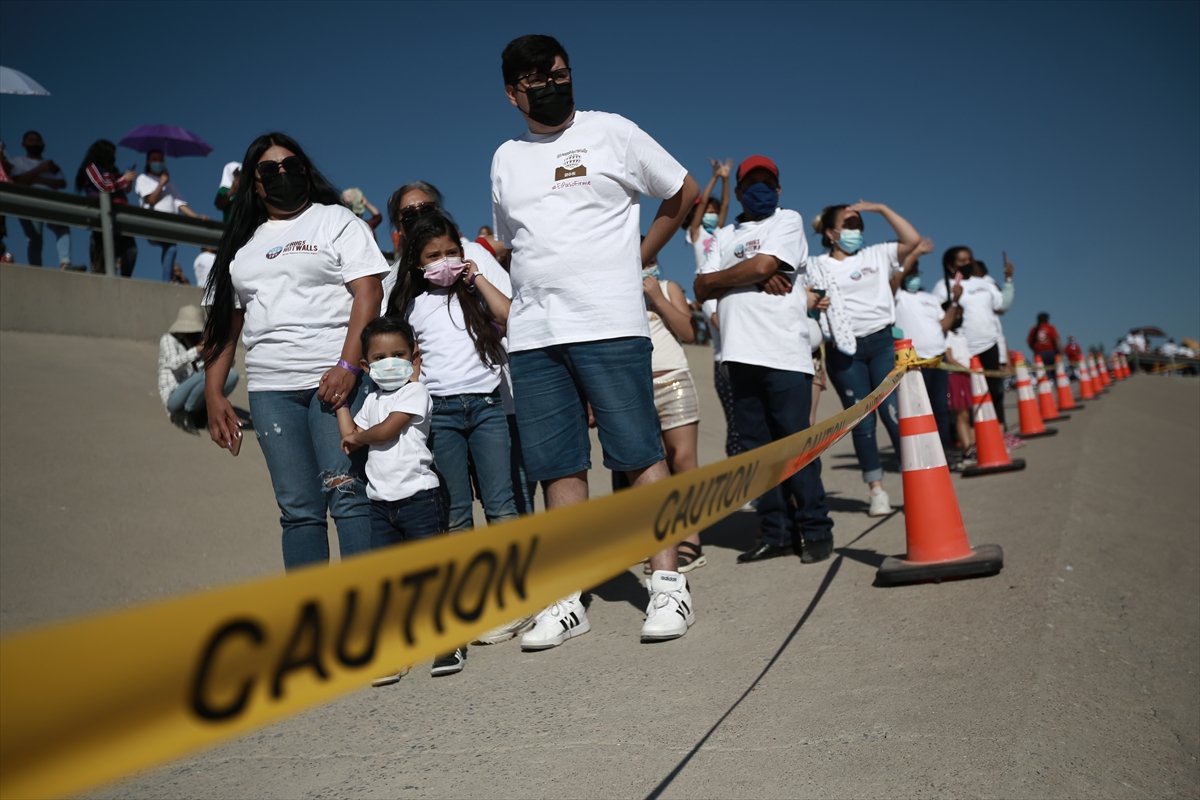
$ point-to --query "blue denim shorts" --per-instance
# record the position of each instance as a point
(550, 387)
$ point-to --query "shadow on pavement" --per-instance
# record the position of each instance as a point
(624, 587)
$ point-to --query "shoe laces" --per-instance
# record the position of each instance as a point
(552, 611)
(662, 599)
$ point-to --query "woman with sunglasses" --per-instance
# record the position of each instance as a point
(859, 320)
(297, 277)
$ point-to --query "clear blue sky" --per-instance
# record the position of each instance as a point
(1067, 134)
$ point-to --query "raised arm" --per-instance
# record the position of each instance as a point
(697, 218)
(906, 235)
(726, 168)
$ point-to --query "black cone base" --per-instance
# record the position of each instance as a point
(1047, 432)
(975, 470)
(988, 559)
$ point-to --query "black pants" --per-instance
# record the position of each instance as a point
(990, 359)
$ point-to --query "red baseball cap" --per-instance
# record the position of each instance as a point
(757, 162)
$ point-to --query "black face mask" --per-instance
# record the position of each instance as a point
(35, 152)
(286, 191)
(551, 104)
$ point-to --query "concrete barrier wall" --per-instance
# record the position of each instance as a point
(43, 300)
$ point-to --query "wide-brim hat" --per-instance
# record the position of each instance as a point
(189, 320)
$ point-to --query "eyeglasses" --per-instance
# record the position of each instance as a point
(537, 80)
(291, 165)
(409, 214)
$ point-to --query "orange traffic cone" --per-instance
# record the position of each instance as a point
(1046, 402)
(1086, 388)
(1027, 404)
(1066, 400)
(1125, 366)
(937, 541)
(1101, 371)
(990, 453)
(1114, 369)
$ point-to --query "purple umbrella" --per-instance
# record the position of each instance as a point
(169, 139)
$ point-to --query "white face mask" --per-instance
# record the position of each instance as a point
(390, 374)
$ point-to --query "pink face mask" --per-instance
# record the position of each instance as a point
(444, 271)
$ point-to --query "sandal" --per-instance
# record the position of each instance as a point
(690, 557)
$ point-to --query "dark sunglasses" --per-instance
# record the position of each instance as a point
(291, 165)
(409, 214)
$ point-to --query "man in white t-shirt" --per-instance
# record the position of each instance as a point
(565, 197)
(33, 170)
(755, 270)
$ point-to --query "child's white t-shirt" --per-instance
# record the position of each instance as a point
(568, 204)
(399, 469)
(956, 343)
(291, 280)
(919, 315)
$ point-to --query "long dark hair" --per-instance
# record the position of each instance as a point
(249, 212)
(948, 259)
(412, 283)
(102, 153)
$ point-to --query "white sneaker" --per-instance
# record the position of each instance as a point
(563, 620)
(881, 506)
(505, 632)
(670, 611)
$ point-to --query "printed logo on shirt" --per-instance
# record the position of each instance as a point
(747, 249)
(859, 275)
(300, 246)
(570, 170)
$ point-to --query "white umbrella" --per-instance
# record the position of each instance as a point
(15, 82)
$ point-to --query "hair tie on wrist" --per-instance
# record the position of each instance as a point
(346, 365)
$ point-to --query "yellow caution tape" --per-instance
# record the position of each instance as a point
(93, 700)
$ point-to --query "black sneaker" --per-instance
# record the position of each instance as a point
(449, 663)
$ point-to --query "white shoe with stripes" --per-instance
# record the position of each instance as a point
(563, 620)
(670, 612)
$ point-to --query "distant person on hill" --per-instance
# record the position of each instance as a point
(157, 192)
(181, 370)
(356, 201)
(1043, 339)
(487, 239)
(227, 190)
(32, 169)
(99, 174)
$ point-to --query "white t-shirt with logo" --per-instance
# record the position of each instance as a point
(450, 364)
(568, 204)
(980, 301)
(401, 468)
(919, 315)
(759, 328)
(864, 280)
(168, 202)
(291, 280)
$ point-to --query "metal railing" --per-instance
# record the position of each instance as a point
(101, 214)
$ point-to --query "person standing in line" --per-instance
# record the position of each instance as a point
(33, 170)
(923, 320)
(861, 315)
(979, 299)
(297, 277)
(157, 192)
(565, 198)
(99, 174)
(231, 175)
(1043, 339)
(755, 274)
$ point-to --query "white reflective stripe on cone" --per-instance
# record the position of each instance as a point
(1044, 386)
(914, 400)
(921, 451)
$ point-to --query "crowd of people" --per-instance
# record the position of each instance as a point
(391, 396)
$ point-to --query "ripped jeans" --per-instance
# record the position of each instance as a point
(857, 376)
(311, 475)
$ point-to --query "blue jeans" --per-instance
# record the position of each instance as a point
(551, 386)
(189, 395)
(418, 516)
(168, 257)
(855, 377)
(311, 475)
(470, 429)
(523, 488)
(34, 233)
(768, 405)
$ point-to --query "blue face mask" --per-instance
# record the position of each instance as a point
(912, 283)
(390, 374)
(157, 167)
(850, 241)
(709, 221)
(759, 201)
